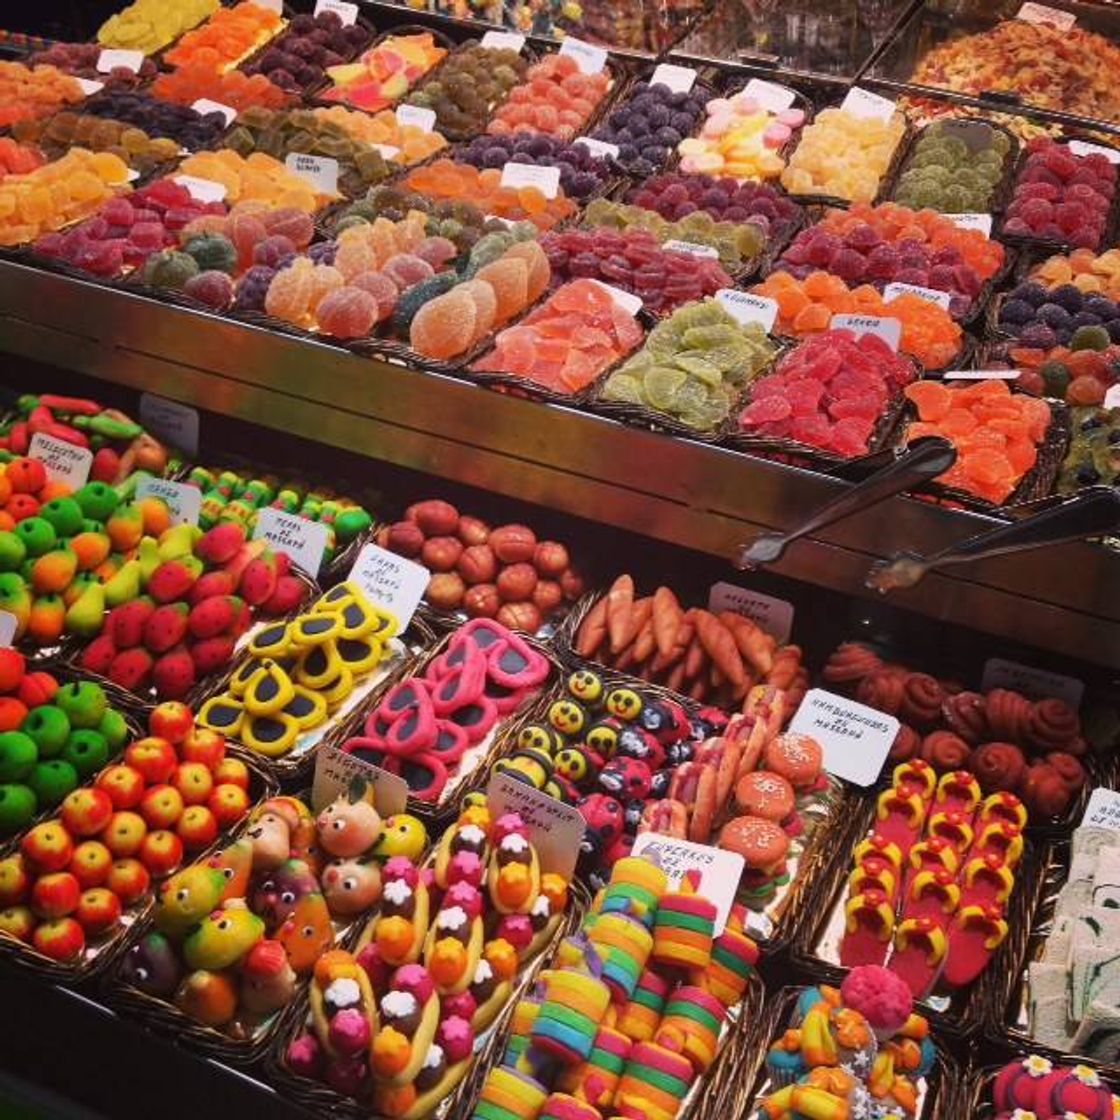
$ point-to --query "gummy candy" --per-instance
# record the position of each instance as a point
(149, 25)
(191, 129)
(1043, 317)
(444, 327)
(258, 177)
(169, 269)
(413, 144)
(18, 159)
(1099, 275)
(347, 312)
(1093, 458)
(297, 60)
(554, 97)
(289, 294)
(197, 79)
(57, 134)
(385, 72)
(955, 166)
(27, 93)
(213, 288)
(581, 173)
(228, 36)
(80, 60)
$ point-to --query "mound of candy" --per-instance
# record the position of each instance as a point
(829, 393)
(1093, 458)
(80, 60)
(149, 25)
(892, 244)
(1059, 196)
(58, 193)
(955, 167)
(197, 80)
(843, 156)
(634, 261)
(256, 177)
(566, 342)
(581, 173)
(737, 243)
(649, 124)
(28, 92)
(412, 143)
(58, 134)
(1043, 318)
(1080, 373)
(17, 158)
(468, 87)
(385, 72)
(693, 366)
(193, 130)
(299, 58)
(806, 306)
(258, 234)
(228, 36)
(1093, 274)
(554, 97)
(444, 179)
(996, 432)
(741, 139)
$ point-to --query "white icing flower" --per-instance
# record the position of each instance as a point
(514, 842)
(472, 835)
(397, 891)
(483, 972)
(1087, 1076)
(398, 1005)
(1037, 1066)
(454, 917)
(542, 907)
(343, 992)
(433, 1057)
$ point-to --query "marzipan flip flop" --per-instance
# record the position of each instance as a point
(868, 927)
(975, 935)
(920, 948)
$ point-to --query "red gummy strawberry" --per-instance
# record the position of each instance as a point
(166, 627)
(131, 669)
(174, 674)
(125, 624)
(222, 543)
(211, 654)
(99, 654)
(214, 616)
(286, 598)
(170, 581)
(258, 581)
(218, 582)
(245, 556)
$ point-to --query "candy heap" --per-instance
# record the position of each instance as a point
(930, 885)
(298, 59)
(437, 726)
(631, 1013)
(80, 60)
(193, 130)
(57, 134)
(566, 342)
(459, 220)
(554, 97)
(1093, 274)
(581, 173)
(1012, 745)
(830, 393)
(256, 177)
(384, 73)
(149, 25)
(394, 1025)
(997, 433)
(413, 144)
(18, 159)
(843, 155)
(1080, 373)
(227, 37)
(859, 1050)
(66, 887)
(955, 166)
(1034, 1086)
(693, 366)
(1041, 317)
(198, 80)
(502, 572)
(236, 934)
(1094, 450)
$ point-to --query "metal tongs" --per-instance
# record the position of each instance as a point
(922, 460)
(1092, 512)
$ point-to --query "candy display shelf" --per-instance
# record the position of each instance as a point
(1057, 599)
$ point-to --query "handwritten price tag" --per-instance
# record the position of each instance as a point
(302, 540)
(348, 13)
(391, 581)
(855, 739)
(8, 624)
(1112, 397)
(863, 103)
(205, 105)
(889, 330)
(980, 375)
(319, 171)
(629, 302)
(108, 61)
(1103, 810)
(982, 222)
(170, 421)
(545, 179)
(772, 97)
(1082, 148)
(1040, 13)
(748, 308)
(930, 295)
(598, 148)
(89, 86)
(555, 829)
(775, 616)
(183, 501)
(590, 59)
(63, 462)
(1038, 684)
(691, 248)
(503, 41)
(417, 116)
(680, 79)
(719, 870)
(335, 771)
(204, 190)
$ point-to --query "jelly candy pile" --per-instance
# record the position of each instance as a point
(581, 173)
(555, 97)
(1046, 317)
(383, 74)
(955, 166)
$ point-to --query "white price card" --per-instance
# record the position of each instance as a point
(183, 500)
(589, 58)
(302, 540)
(691, 248)
(629, 302)
(855, 739)
(417, 116)
(555, 829)
(203, 190)
(545, 179)
(862, 102)
(1103, 810)
(772, 97)
(930, 295)
(1083, 148)
(601, 149)
(982, 222)
(680, 79)
(8, 624)
(320, 171)
(1112, 397)
(718, 870)
(108, 61)
(980, 375)
(503, 41)
(775, 616)
(170, 421)
(348, 13)
(1040, 13)
(749, 308)
(63, 462)
(390, 581)
(205, 105)
(1038, 684)
(271, 5)
(338, 773)
(89, 86)
(889, 330)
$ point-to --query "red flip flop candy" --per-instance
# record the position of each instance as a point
(953, 826)
(933, 895)
(976, 933)
(957, 791)
(916, 776)
(920, 948)
(986, 881)
(1000, 839)
(899, 818)
(868, 926)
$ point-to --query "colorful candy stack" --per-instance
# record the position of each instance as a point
(192, 129)
(384, 73)
(1035, 1086)
(554, 97)
(411, 142)
(256, 177)
(29, 92)
(57, 134)
(1094, 274)
(227, 37)
(581, 173)
(149, 25)
(297, 60)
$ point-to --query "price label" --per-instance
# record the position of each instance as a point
(204, 190)
(889, 330)
(205, 105)
(775, 616)
(276, 6)
(629, 302)
(748, 308)
(555, 829)
(417, 116)
(89, 86)
(8, 624)
(1112, 397)
(598, 148)
(348, 13)
(338, 773)
(545, 179)
(183, 500)
(980, 374)
(680, 79)
(863, 103)
(319, 171)
(719, 871)
(1040, 13)
(982, 222)
(64, 462)
(1038, 684)
(303, 541)
(691, 248)
(503, 41)
(391, 581)
(1082, 148)
(772, 97)
(590, 59)
(930, 295)
(170, 421)
(855, 739)
(1103, 810)
(387, 150)
(108, 61)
